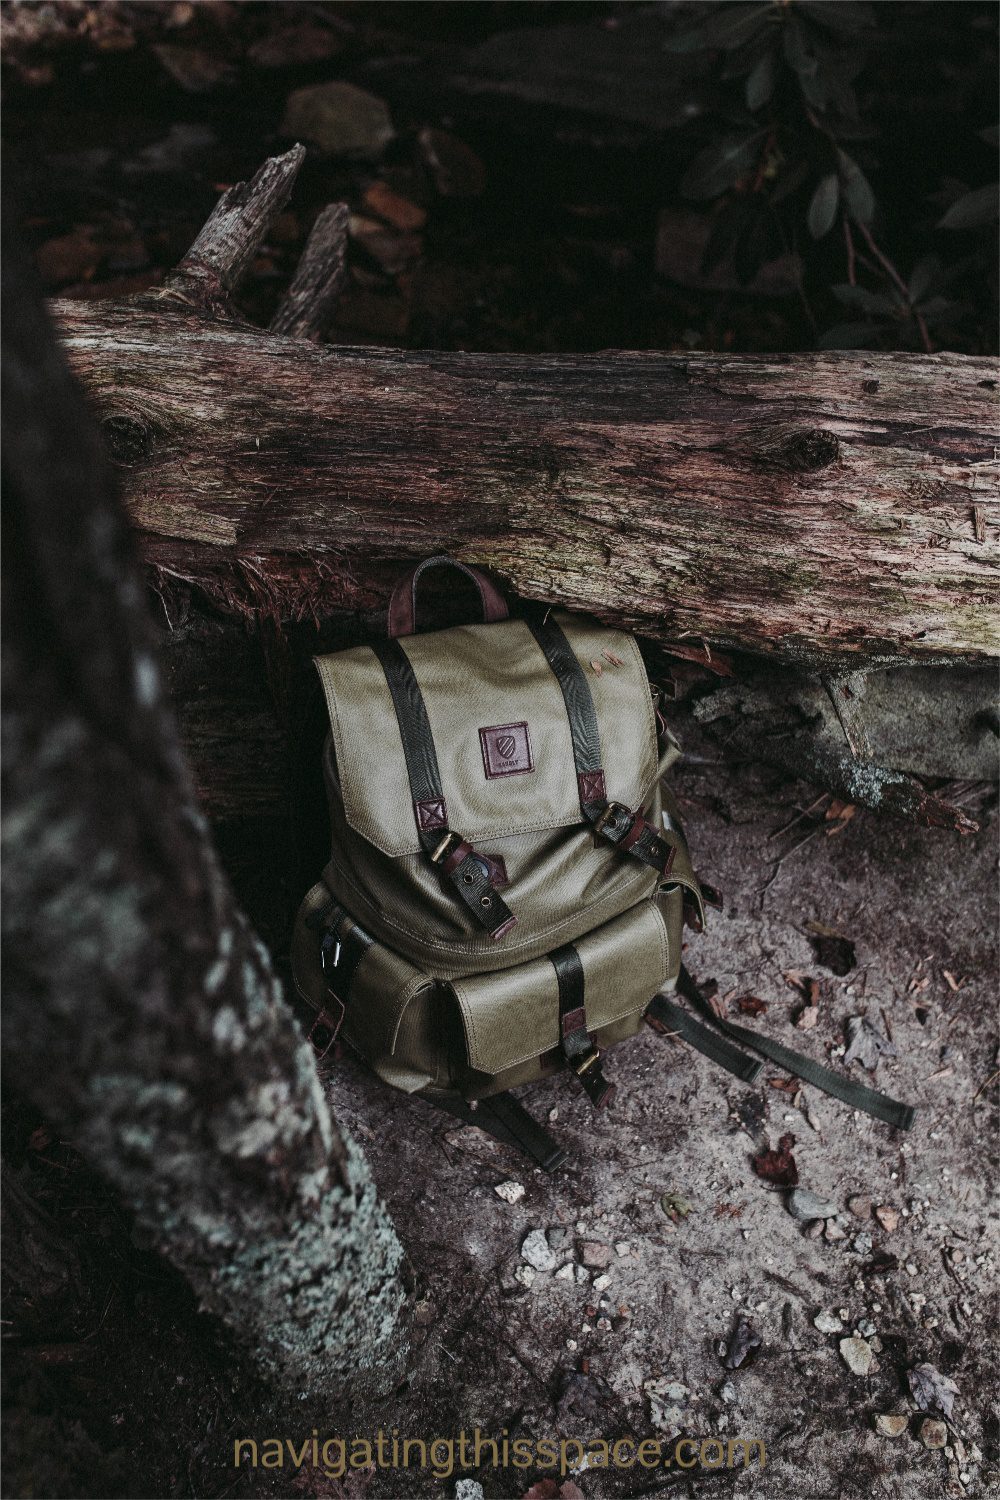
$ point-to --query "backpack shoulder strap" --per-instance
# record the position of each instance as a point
(880, 1106)
(622, 826)
(470, 874)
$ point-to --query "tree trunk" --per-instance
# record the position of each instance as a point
(143, 1015)
(823, 509)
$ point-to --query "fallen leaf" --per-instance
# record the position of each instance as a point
(778, 1166)
(751, 1006)
(743, 1340)
(866, 1044)
(293, 45)
(398, 211)
(196, 70)
(931, 1390)
(455, 167)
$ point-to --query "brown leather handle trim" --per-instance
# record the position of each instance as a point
(403, 604)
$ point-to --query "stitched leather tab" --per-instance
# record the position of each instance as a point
(506, 750)
(591, 784)
(431, 814)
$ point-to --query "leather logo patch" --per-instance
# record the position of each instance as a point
(506, 750)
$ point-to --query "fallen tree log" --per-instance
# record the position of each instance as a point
(831, 511)
(820, 508)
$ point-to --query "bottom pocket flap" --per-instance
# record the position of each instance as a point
(512, 1014)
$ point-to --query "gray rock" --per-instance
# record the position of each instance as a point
(537, 1251)
(339, 118)
(857, 1355)
(594, 1255)
(560, 1239)
(804, 1205)
(468, 1489)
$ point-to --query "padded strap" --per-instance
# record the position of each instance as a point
(880, 1106)
(620, 825)
(468, 873)
(664, 1016)
(403, 604)
(579, 1051)
(503, 1118)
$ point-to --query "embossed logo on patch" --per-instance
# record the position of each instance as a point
(506, 750)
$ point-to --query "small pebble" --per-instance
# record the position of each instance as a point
(857, 1355)
(933, 1434)
(537, 1251)
(622, 1247)
(594, 1254)
(891, 1424)
(828, 1322)
(860, 1206)
(802, 1204)
(888, 1217)
(601, 1283)
(510, 1192)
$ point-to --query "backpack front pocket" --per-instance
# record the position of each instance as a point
(511, 1017)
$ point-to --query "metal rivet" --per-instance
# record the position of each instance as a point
(485, 901)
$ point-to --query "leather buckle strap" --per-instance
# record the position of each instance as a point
(323, 1031)
(468, 874)
(632, 834)
(600, 1092)
(614, 821)
(577, 1048)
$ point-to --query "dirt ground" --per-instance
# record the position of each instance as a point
(137, 1396)
(916, 907)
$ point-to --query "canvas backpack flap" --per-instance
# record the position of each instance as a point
(500, 730)
(505, 753)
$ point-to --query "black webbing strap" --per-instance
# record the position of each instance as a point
(503, 1118)
(666, 1017)
(468, 873)
(620, 825)
(856, 1095)
(574, 1039)
(340, 956)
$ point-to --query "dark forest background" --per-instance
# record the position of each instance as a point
(752, 177)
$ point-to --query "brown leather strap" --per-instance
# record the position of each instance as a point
(403, 604)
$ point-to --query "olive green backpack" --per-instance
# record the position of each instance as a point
(509, 880)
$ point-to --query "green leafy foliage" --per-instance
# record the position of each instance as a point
(800, 137)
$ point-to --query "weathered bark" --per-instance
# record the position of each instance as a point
(821, 508)
(143, 1015)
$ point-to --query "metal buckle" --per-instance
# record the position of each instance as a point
(450, 842)
(588, 1062)
(610, 815)
(331, 942)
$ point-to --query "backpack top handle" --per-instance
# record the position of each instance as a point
(403, 604)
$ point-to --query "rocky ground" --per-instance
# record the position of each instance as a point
(659, 1285)
(664, 1253)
